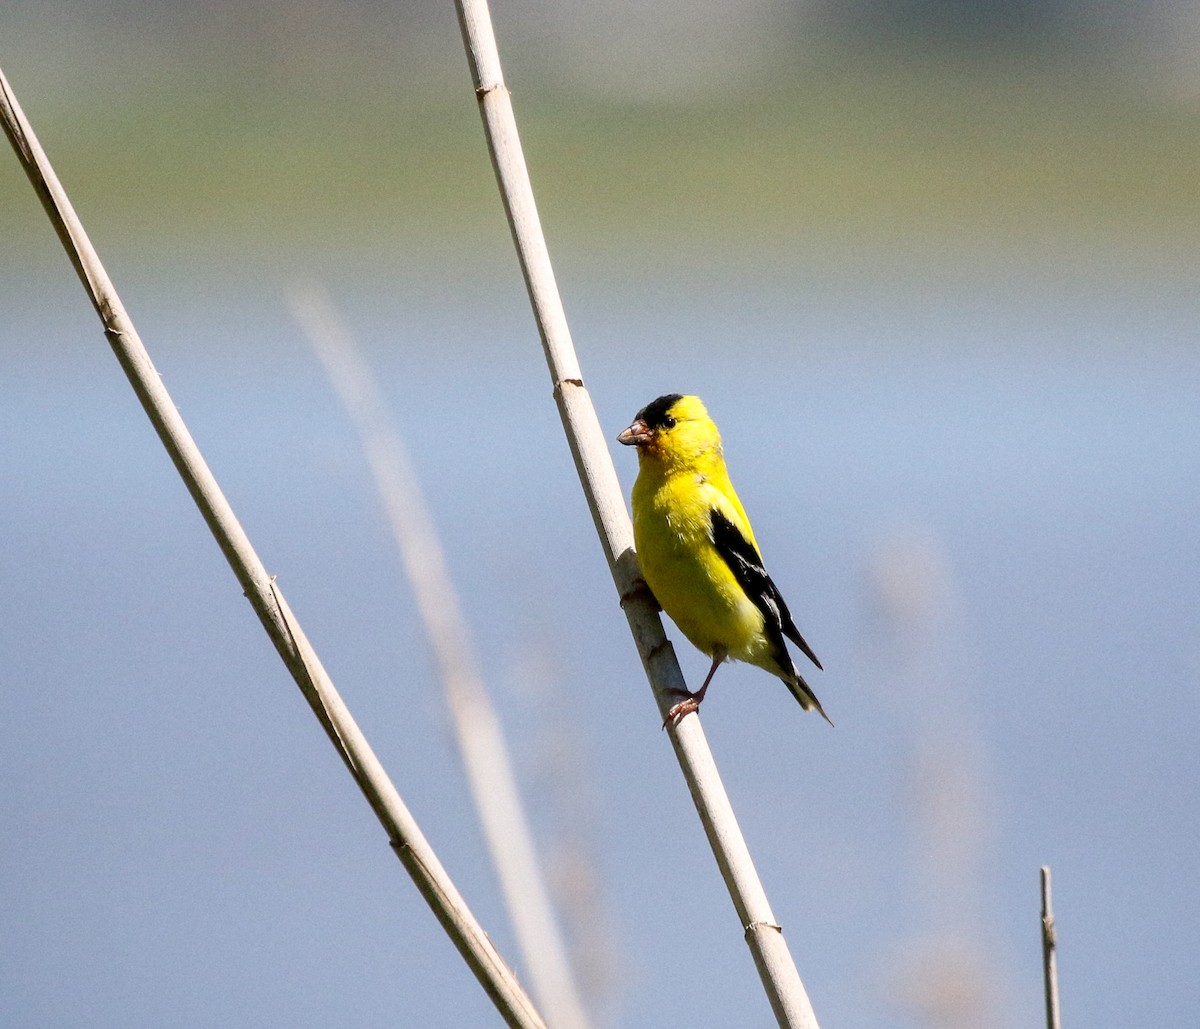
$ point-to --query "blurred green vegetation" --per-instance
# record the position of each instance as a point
(350, 146)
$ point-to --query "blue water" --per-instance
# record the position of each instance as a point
(1020, 456)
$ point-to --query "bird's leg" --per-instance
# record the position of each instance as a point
(691, 701)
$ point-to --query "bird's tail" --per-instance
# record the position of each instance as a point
(808, 699)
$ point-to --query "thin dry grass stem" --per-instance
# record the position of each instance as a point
(481, 741)
(1049, 953)
(260, 588)
(598, 477)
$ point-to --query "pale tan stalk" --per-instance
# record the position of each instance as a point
(481, 742)
(593, 462)
(1049, 953)
(260, 588)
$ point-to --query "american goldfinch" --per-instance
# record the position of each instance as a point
(698, 553)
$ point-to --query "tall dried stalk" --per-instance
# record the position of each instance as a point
(1049, 953)
(260, 588)
(593, 462)
(485, 754)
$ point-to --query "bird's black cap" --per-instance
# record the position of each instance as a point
(655, 413)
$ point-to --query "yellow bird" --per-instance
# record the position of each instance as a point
(698, 553)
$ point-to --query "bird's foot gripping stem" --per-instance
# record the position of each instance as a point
(690, 703)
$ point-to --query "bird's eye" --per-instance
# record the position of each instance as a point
(669, 422)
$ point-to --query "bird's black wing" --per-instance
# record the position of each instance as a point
(745, 562)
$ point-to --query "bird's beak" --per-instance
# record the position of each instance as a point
(637, 434)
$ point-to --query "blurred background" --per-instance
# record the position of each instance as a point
(933, 267)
